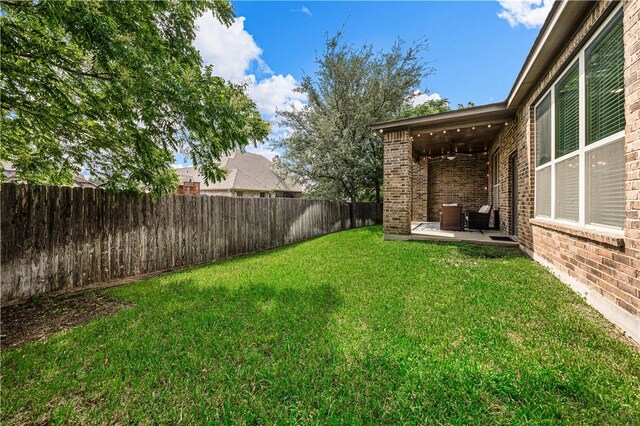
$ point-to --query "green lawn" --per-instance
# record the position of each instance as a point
(342, 329)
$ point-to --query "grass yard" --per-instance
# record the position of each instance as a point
(343, 329)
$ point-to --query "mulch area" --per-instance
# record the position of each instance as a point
(42, 317)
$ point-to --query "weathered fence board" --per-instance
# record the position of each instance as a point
(61, 238)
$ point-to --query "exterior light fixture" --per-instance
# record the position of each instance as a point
(381, 130)
(506, 123)
(458, 130)
(473, 128)
(444, 131)
(488, 126)
(431, 134)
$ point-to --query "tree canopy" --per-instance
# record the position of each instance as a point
(330, 146)
(432, 106)
(116, 88)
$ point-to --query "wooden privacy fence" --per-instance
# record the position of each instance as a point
(61, 238)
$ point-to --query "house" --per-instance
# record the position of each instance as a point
(9, 171)
(249, 175)
(558, 160)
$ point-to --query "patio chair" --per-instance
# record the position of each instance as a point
(480, 219)
(451, 218)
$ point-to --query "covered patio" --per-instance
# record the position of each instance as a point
(439, 160)
(431, 231)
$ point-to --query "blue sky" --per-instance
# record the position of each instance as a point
(476, 47)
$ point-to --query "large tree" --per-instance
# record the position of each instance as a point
(432, 106)
(116, 88)
(330, 146)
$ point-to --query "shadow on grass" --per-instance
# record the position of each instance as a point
(475, 251)
(488, 252)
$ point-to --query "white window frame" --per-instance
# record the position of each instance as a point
(583, 148)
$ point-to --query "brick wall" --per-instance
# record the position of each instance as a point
(419, 190)
(608, 266)
(397, 183)
(462, 180)
(505, 146)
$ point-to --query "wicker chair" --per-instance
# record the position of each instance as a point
(479, 219)
(451, 218)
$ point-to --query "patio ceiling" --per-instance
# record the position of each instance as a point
(435, 142)
(469, 130)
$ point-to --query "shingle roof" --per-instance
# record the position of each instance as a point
(247, 172)
(10, 175)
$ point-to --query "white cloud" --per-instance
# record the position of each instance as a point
(421, 98)
(234, 53)
(530, 13)
(230, 50)
(274, 93)
(264, 150)
(303, 9)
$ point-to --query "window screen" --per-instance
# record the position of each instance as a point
(567, 112)
(543, 131)
(605, 83)
(605, 185)
(567, 188)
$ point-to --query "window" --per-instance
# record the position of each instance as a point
(543, 131)
(605, 83)
(605, 178)
(239, 193)
(579, 136)
(262, 195)
(567, 189)
(543, 192)
(567, 114)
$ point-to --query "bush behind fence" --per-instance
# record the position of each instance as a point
(61, 238)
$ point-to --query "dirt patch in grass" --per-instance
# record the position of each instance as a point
(42, 317)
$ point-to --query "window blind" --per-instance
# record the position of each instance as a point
(605, 185)
(567, 188)
(543, 131)
(567, 112)
(605, 83)
(543, 192)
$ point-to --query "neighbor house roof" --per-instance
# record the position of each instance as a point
(10, 175)
(246, 172)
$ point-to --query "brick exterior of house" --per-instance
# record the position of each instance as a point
(602, 266)
(398, 183)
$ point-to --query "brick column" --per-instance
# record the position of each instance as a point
(397, 183)
(419, 186)
(631, 25)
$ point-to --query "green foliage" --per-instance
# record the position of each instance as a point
(117, 88)
(433, 106)
(467, 105)
(331, 147)
(341, 329)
